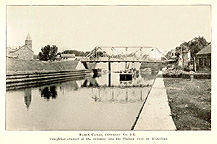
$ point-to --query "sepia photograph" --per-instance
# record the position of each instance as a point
(108, 68)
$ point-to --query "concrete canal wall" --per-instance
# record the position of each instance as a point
(156, 114)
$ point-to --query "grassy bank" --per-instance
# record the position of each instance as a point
(190, 103)
(176, 73)
(33, 65)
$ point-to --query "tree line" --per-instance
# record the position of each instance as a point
(49, 53)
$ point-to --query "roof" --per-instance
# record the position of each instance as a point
(13, 47)
(68, 55)
(28, 37)
(205, 50)
(20, 48)
(185, 51)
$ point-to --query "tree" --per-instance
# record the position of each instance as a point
(183, 47)
(48, 53)
(194, 46)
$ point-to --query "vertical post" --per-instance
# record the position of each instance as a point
(194, 64)
(109, 72)
(112, 52)
(182, 58)
(85, 65)
(126, 59)
(126, 95)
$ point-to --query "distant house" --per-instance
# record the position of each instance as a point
(184, 59)
(171, 54)
(203, 59)
(67, 56)
(23, 52)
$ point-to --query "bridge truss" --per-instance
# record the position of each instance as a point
(125, 53)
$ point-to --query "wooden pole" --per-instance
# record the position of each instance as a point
(109, 76)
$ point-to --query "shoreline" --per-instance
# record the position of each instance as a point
(28, 79)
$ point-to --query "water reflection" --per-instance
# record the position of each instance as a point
(119, 95)
(148, 73)
(48, 92)
(68, 86)
(90, 82)
(28, 97)
(78, 104)
(124, 91)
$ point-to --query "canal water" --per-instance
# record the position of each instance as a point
(87, 104)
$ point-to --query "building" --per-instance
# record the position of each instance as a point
(66, 57)
(23, 52)
(184, 59)
(203, 59)
(171, 54)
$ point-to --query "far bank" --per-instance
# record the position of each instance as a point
(35, 65)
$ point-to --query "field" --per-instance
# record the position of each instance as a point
(190, 103)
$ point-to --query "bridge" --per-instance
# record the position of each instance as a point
(126, 54)
(134, 56)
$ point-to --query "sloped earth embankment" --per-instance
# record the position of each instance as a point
(14, 65)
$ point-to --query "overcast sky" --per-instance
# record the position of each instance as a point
(84, 27)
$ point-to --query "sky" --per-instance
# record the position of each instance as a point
(85, 27)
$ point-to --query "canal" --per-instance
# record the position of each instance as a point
(86, 104)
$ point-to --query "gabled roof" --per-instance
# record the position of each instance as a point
(20, 48)
(205, 50)
(68, 55)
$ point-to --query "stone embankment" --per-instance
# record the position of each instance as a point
(36, 78)
(25, 73)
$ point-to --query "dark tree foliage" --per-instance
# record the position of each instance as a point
(194, 45)
(48, 53)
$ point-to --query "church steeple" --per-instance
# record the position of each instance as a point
(28, 37)
(28, 41)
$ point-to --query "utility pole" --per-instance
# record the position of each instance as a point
(182, 58)
(182, 55)
(126, 59)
